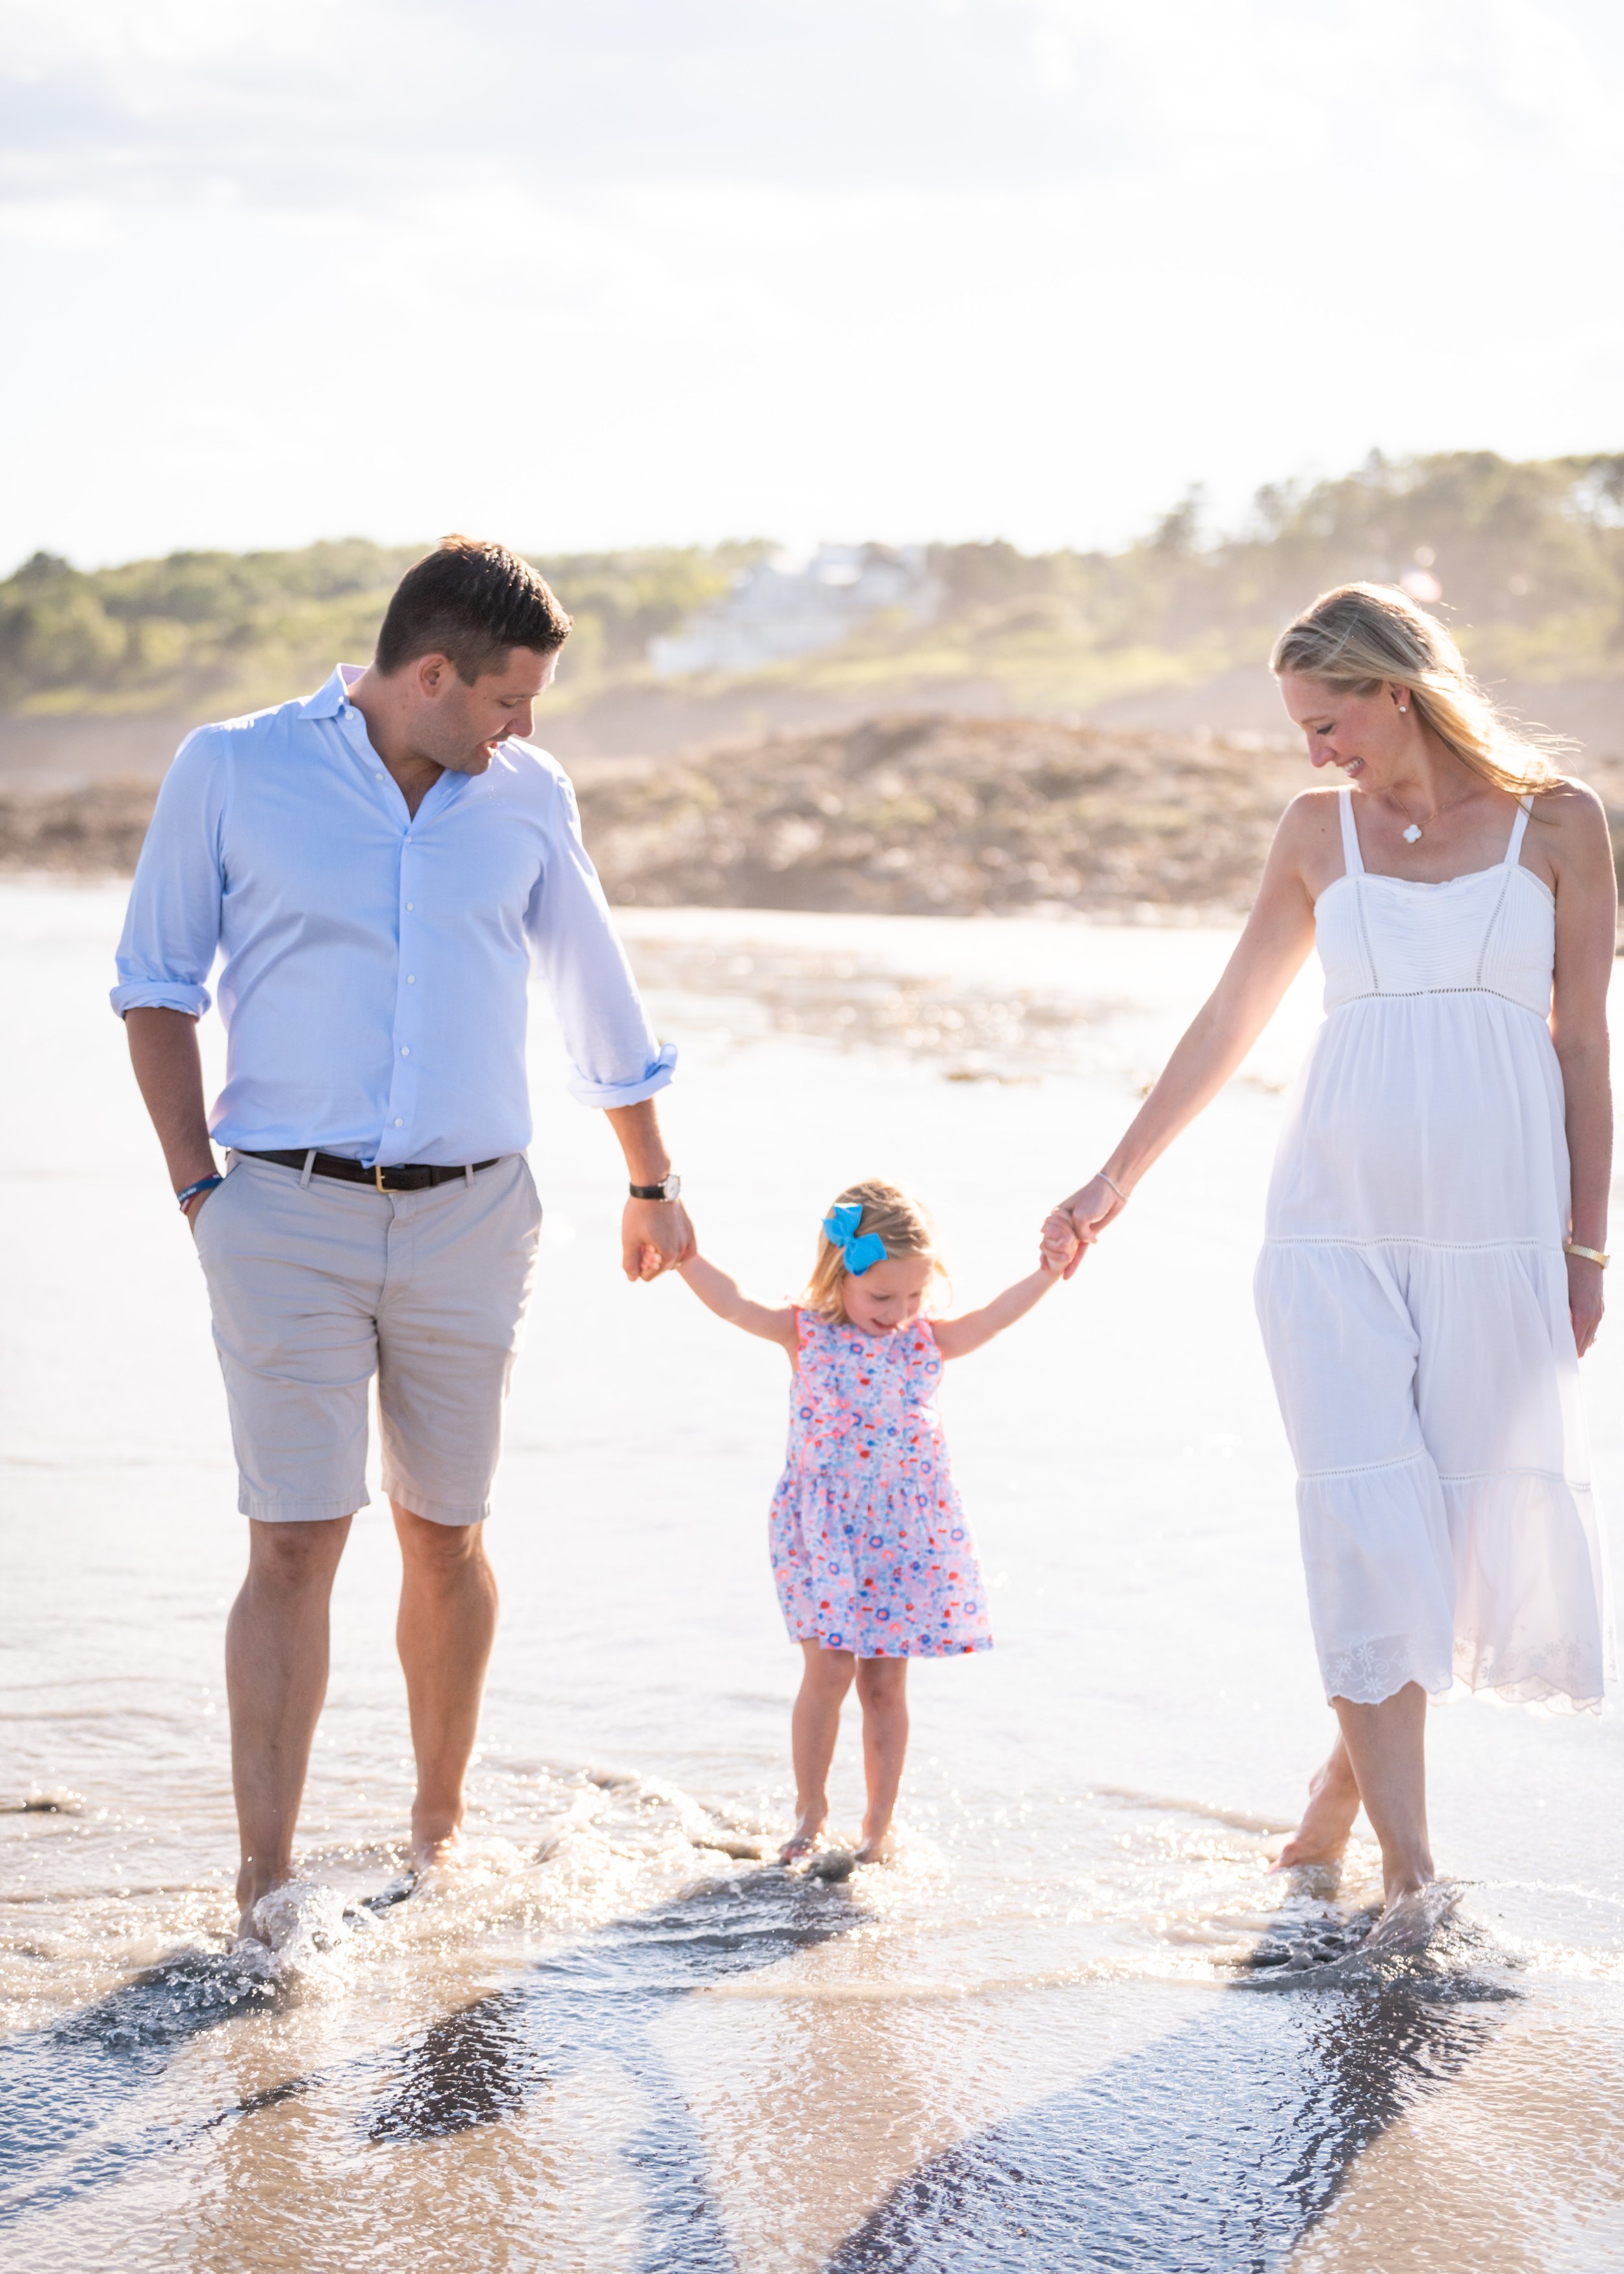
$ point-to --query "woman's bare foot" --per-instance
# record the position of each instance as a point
(877, 1847)
(1321, 1837)
(807, 1832)
(1412, 1918)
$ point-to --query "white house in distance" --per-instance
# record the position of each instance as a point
(789, 604)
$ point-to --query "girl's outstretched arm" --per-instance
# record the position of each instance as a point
(724, 1296)
(958, 1338)
(1267, 957)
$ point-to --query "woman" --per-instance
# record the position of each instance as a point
(1437, 1221)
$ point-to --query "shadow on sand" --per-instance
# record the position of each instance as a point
(77, 2097)
(1213, 2151)
(65, 2087)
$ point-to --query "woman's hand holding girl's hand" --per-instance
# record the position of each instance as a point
(1058, 1244)
(1585, 1302)
(1086, 1215)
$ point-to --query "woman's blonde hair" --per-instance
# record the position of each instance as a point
(892, 1215)
(1356, 637)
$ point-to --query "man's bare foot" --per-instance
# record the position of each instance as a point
(440, 1851)
(877, 1847)
(807, 1832)
(253, 1887)
(1326, 1826)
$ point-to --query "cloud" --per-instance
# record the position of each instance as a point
(890, 266)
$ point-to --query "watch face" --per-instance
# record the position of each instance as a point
(672, 1187)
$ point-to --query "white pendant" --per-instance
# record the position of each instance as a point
(1412, 832)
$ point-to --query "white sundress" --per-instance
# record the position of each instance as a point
(1413, 1296)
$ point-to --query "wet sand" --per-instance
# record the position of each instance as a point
(616, 2042)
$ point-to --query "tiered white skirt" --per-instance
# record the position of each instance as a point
(1413, 1297)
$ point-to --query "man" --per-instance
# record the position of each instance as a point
(378, 865)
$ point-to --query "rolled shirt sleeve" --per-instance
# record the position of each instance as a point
(172, 926)
(614, 1058)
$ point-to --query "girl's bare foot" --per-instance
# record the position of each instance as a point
(877, 1848)
(807, 1832)
(1322, 1836)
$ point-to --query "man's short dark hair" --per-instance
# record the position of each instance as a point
(472, 602)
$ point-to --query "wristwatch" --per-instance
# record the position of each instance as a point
(668, 1190)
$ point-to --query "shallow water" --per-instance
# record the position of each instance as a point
(621, 2040)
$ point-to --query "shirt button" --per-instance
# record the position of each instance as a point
(405, 1053)
(400, 1125)
(411, 979)
(409, 906)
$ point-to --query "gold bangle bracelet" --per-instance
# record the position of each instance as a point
(1591, 1254)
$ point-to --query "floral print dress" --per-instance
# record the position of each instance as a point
(871, 1550)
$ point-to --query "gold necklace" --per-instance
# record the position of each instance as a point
(1411, 834)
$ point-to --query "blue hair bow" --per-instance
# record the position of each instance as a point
(841, 1226)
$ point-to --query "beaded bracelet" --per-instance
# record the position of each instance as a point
(203, 1185)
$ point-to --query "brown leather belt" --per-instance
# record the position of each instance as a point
(406, 1177)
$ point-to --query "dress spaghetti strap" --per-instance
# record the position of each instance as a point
(1353, 860)
(1513, 851)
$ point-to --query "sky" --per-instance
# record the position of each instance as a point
(635, 272)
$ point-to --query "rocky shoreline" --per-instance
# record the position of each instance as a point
(914, 814)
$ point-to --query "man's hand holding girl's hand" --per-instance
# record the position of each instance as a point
(655, 1235)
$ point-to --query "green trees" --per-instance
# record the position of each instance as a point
(1530, 557)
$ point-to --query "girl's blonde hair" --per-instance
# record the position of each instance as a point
(891, 1214)
(1359, 635)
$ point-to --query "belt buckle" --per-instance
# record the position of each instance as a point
(378, 1176)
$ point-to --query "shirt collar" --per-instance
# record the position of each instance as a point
(331, 697)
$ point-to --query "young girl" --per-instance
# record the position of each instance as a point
(873, 1557)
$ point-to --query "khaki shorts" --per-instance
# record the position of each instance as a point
(317, 1285)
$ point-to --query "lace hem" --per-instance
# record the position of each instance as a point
(1567, 1675)
(1366, 1673)
(1565, 1678)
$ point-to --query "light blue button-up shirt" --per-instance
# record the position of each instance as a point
(376, 962)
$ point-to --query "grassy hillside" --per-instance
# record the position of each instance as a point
(1530, 558)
